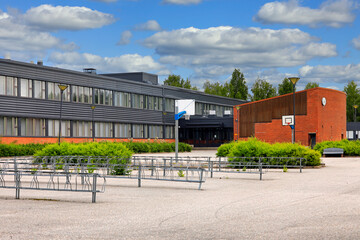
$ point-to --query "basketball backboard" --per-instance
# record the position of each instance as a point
(187, 105)
(288, 120)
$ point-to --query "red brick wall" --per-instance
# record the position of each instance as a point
(328, 122)
(26, 140)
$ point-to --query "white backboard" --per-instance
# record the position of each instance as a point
(288, 120)
(187, 105)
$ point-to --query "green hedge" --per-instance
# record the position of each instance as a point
(86, 149)
(255, 148)
(156, 146)
(351, 148)
(10, 150)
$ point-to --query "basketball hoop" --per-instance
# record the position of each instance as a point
(187, 117)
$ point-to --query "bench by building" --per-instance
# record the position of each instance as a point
(333, 152)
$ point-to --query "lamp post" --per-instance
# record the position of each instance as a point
(62, 89)
(92, 121)
(294, 80)
(355, 106)
(237, 120)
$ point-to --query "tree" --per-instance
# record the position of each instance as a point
(262, 90)
(237, 86)
(311, 85)
(177, 81)
(352, 98)
(215, 89)
(285, 87)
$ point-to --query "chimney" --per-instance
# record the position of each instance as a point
(40, 62)
(7, 56)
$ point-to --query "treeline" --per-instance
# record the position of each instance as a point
(237, 87)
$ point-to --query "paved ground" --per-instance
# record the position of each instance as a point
(319, 203)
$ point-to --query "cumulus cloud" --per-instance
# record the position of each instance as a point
(182, 2)
(125, 38)
(150, 25)
(23, 41)
(66, 18)
(330, 13)
(356, 43)
(123, 63)
(229, 47)
(327, 73)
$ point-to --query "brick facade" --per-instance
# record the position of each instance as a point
(325, 122)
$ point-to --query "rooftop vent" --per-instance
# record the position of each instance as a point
(40, 62)
(89, 70)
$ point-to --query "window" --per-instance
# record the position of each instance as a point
(26, 87)
(82, 129)
(39, 89)
(137, 101)
(229, 110)
(8, 86)
(159, 104)
(199, 108)
(81, 94)
(103, 129)
(169, 132)
(8, 126)
(122, 99)
(54, 128)
(151, 103)
(138, 131)
(169, 105)
(122, 130)
(32, 127)
(54, 92)
(103, 97)
(155, 131)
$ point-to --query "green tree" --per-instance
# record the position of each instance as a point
(215, 89)
(311, 85)
(352, 98)
(262, 90)
(177, 81)
(285, 87)
(237, 86)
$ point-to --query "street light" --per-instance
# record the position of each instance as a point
(294, 80)
(92, 121)
(355, 106)
(62, 89)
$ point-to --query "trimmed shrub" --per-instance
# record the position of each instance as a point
(156, 146)
(351, 148)
(224, 149)
(10, 150)
(255, 148)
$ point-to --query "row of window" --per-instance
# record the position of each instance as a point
(37, 127)
(37, 89)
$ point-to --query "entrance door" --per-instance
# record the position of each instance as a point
(312, 140)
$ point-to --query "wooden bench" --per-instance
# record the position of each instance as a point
(333, 151)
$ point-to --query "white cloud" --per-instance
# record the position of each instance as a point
(123, 63)
(66, 18)
(330, 13)
(356, 43)
(22, 41)
(125, 38)
(228, 47)
(327, 73)
(150, 25)
(182, 2)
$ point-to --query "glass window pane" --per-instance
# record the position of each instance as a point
(2, 85)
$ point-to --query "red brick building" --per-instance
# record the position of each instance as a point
(320, 116)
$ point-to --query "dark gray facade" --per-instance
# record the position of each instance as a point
(15, 105)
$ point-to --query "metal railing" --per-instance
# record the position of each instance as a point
(22, 173)
(252, 165)
(119, 167)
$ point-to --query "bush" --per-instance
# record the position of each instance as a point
(255, 148)
(351, 148)
(120, 153)
(224, 149)
(10, 150)
(156, 146)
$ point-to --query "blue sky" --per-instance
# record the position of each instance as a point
(319, 41)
